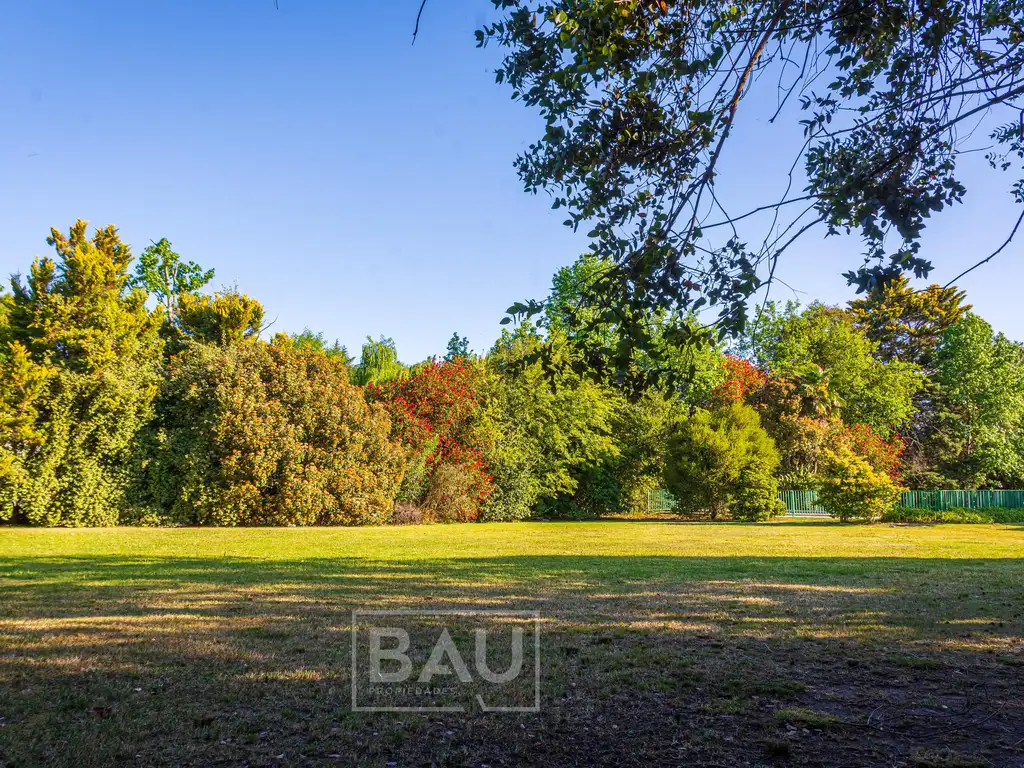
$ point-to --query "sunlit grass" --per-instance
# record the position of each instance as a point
(785, 538)
(117, 642)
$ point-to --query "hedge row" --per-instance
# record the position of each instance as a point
(961, 515)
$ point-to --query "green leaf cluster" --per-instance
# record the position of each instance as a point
(80, 363)
(722, 463)
(851, 489)
(266, 434)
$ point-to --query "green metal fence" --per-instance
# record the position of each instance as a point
(660, 501)
(801, 501)
(807, 501)
(965, 499)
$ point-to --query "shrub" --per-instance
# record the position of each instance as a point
(641, 431)
(514, 466)
(723, 462)
(453, 493)
(852, 489)
(260, 434)
(407, 514)
(414, 479)
(883, 455)
(1005, 516)
(955, 515)
(547, 428)
(438, 401)
(803, 442)
(436, 417)
(757, 494)
(598, 492)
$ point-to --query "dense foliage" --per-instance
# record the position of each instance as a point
(435, 413)
(266, 434)
(144, 400)
(851, 489)
(639, 100)
(981, 378)
(80, 368)
(723, 463)
(834, 366)
(956, 515)
(551, 429)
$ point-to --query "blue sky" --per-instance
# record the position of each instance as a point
(353, 183)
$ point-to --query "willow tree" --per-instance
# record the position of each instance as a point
(379, 363)
(641, 97)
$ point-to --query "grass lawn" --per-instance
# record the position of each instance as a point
(790, 643)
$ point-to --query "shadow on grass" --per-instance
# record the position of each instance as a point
(647, 660)
(863, 599)
(102, 571)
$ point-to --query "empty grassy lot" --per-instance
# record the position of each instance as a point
(791, 643)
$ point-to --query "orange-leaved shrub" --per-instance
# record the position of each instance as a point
(267, 434)
(743, 382)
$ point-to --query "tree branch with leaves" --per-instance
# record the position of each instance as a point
(640, 100)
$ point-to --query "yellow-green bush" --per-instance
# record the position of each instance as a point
(852, 489)
(261, 434)
(722, 463)
(79, 366)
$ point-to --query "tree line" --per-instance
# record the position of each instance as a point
(129, 394)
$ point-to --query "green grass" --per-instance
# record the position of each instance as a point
(661, 642)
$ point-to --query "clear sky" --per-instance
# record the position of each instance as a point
(353, 183)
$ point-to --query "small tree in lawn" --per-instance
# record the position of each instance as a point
(852, 489)
(723, 462)
(757, 492)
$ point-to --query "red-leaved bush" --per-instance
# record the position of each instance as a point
(434, 410)
(742, 381)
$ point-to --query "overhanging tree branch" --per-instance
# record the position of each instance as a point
(992, 255)
(416, 29)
